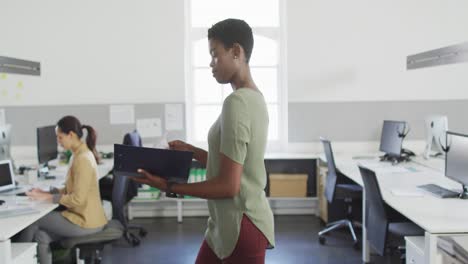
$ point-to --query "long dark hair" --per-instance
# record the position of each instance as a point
(68, 124)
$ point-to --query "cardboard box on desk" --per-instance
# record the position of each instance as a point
(288, 185)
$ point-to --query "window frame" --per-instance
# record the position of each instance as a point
(279, 34)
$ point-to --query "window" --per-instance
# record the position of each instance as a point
(205, 95)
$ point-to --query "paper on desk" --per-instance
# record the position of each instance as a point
(407, 192)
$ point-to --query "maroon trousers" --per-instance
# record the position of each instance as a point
(250, 247)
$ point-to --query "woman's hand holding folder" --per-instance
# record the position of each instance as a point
(151, 180)
(180, 145)
(198, 153)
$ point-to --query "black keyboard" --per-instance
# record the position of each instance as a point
(439, 191)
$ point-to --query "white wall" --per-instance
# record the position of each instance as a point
(356, 50)
(106, 51)
(132, 51)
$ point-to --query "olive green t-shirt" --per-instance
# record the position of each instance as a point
(240, 133)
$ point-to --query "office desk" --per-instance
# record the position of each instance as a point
(103, 168)
(435, 215)
(437, 164)
(61, 172)
(454, 249)
(13, 225)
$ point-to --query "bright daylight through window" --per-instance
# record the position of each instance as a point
(205, 94)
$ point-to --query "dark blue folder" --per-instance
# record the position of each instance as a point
(173, 165)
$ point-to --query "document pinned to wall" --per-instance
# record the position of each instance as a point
(174, 116)
(122, 114)
(2, 117)
(149, 127)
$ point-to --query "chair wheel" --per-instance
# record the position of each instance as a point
(143, 233)
(135, 241)
(132, 239)
(322, 240)
(357, 245)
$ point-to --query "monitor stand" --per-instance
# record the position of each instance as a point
(464, 193)
(395, 159)
(43, 171)
(437, 155)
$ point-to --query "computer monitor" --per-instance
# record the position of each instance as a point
(5, 142)
(392, 137)
(436, 128)
(456, 160)
(7, 177)
(46, 144)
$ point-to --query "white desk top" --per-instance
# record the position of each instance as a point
(61, 172)
(437, 164)
(103, 168)
(12, 225)
(287, 155)
(433, 214)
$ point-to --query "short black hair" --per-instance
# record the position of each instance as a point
(230, 31)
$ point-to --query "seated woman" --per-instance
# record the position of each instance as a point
(84, 213)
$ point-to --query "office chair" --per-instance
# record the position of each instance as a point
(132, 139)
(336, 189)
(382, 221)
(91, 246)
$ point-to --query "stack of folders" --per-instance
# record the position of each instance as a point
(148, 193)
(453, 249)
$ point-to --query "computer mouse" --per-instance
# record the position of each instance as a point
(2, 202)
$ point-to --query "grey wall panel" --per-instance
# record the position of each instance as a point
(362, 121)
(26, 119)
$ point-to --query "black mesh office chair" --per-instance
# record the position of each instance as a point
(336, 189)
(132, 139)
(90, 246)
(382, 222)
